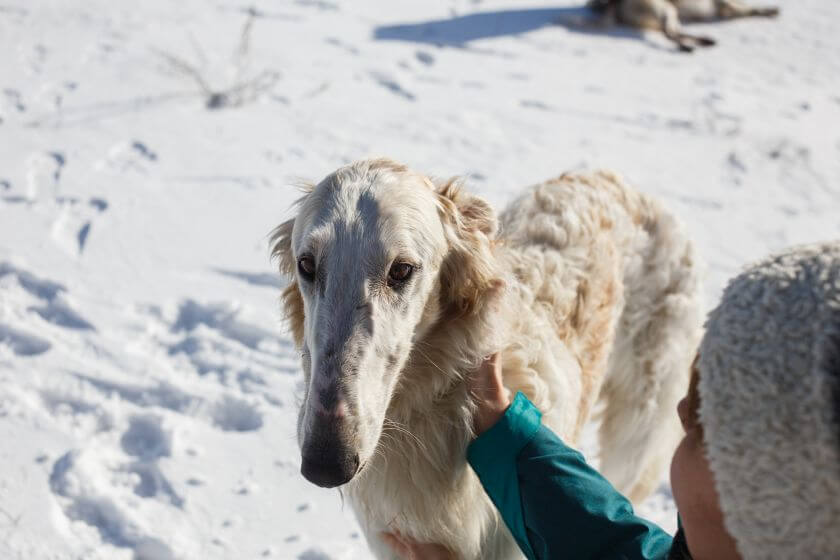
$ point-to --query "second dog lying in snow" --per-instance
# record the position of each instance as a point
(399, 287)
(667, 15)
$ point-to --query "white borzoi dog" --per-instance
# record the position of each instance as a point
(400, 286)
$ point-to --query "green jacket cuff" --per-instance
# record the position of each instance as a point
(506, 438)
(493, 457)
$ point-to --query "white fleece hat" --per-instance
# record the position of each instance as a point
(770, 405)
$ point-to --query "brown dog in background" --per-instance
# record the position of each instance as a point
(668, 15)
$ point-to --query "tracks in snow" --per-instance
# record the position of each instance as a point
(133, 411)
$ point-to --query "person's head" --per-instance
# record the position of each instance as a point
(757, 475)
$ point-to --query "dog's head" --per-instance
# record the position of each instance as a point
(377, 256)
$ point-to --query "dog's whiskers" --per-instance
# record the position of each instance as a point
(402, 429)
(429, 359)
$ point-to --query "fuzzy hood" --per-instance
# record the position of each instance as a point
(770, 405)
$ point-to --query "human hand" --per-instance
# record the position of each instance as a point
(407, 549)
(491, 397)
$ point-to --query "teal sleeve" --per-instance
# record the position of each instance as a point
(555, 505)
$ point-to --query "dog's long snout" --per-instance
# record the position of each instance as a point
(329, 469)
(328, 457)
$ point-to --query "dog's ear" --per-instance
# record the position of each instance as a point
(281, 249)
(470, 275)
(474, 213)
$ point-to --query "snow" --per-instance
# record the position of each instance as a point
(147, 388)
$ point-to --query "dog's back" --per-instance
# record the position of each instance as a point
(616, 278)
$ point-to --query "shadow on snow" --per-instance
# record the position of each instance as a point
(461, 30)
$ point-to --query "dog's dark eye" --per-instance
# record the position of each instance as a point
(400, 272)
(306, 267)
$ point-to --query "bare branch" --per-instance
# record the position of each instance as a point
(184, 68)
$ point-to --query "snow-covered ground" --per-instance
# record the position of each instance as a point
(147, 389)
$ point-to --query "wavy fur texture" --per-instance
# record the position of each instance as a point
(591, 292)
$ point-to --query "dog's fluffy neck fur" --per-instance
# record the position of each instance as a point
(428, 426)
(453, 341)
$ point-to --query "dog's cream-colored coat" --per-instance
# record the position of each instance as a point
(588, 288)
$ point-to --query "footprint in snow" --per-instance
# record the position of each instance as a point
(735, 169)
(221, 317)
(85, 494)
(234, 415)
(425, 58)
(163, 394)
(146, 439)
(43, 174)
(152, 549)
(53, 306)
(336, 42)
(314, 554)
(72, 229)
(22, 343)
(59, 313)
(99, 204)
(392, 85)
(534, 104)
(152, 483)
(144, 151)
(14, 99)
(130, 155)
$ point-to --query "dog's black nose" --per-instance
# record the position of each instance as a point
(329, 470)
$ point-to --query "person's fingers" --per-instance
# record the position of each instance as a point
(407, 549)
(490, 395)
(483, 381)
(495, 363)
(429, 552)
(492, 388)
(400, 547)
(492, 366)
